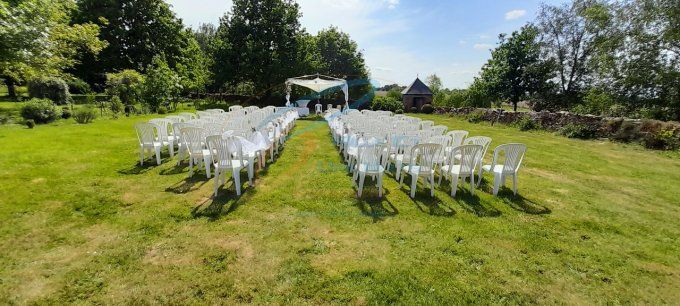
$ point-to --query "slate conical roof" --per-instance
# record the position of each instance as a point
(417, 88)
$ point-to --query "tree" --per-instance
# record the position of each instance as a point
(37, 38)
(136, 30)
(257, 43)
(570, 33)
(434, 82)
(161, 85)
(516, 70)
(339, 55)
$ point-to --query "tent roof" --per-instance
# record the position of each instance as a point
(417, 88)
(317, 84)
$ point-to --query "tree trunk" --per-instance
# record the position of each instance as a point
(514, 106)
(11, 88)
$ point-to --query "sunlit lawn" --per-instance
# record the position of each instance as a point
(82, 222)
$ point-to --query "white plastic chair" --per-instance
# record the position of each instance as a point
(147, 141)
(421, 164)
(224, 162)
(404, 144)
(371, 161)
(439, 129)
(194, 140)
(462, 162)
(236, 147)
(165, 134)
(484, 142)
(319, 109)
(426, 124)
(512, 155)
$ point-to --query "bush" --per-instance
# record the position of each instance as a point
(30, 123)
(427, 109)
(85, 114)
(667, 138)
(40, 111)
(4, 119)
(66, 113)
(161, 85)
(526, 124)
(581, 131)
(116, 105)
(414, 109)
(399, 111)
(386, 103)
(627, 132)
(475, 116)
(162, 110)
(126, 85)
(78, 86)
(51, 88)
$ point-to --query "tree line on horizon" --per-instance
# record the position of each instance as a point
(611, 58)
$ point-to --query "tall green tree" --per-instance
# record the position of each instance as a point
(434, 82)
(37, 38)
(338, 54)
(516, 70)
(257, 43)
(136, 30)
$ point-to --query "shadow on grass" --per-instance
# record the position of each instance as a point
(373, 206)
(176, 169)
(188, 184)
(214, 208)
(520, 203)
(137, 169)
(427, 203)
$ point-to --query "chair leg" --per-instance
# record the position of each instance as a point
(514, 183)
(454, 184)
(251, 172)
(207, 166)
(472, 183)
(217, 180)
(171, 148)
(237, 180)
(158, 155)
(414, 182)
(496, 183)
(398, 172)
(479, 176)
(141, 156)
(401, 178)
(191, 166)
(380, 182)
(362, 177)
(431, 184)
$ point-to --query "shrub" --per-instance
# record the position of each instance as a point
(627, 131)
(667, 138)
(162, 110)
(4, 119)
(526, 124)
(427, 109)
(414, 109)
(399, 111)
(78, 86)
(386, 103)
(85, 114)
(581, 131)
(30, 123)
(161, 85)
(116, 105)
(126, 85)
(40, 111)
(51, 88)
(475, 116)
(66, 113)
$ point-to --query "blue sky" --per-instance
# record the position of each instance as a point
(402, 39)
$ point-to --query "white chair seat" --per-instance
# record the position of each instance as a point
(497, 169)
(235, 164)
(363, 168)
(418, 170)
(456, 169)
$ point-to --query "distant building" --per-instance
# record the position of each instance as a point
(416, 95)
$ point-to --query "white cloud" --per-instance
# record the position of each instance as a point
(392, 4)
(515, 14)
(482, 46)
(462, 42)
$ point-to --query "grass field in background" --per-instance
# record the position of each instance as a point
(594, 222)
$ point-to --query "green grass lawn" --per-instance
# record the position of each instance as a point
(595, 222)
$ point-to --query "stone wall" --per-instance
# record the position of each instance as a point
(652, 133)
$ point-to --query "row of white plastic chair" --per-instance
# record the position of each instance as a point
(193, 135)
(372, 142)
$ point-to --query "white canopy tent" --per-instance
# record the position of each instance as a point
(317, 83)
